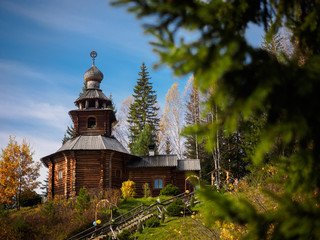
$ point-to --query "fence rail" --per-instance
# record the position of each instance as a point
(132, 216)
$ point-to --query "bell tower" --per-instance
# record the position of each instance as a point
(94, 115)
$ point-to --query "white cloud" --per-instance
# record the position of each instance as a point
(28, 110)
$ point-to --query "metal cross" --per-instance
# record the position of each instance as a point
(93, 54)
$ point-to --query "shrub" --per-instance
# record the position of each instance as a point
(49, 210)
(170, 190)
(153, 222)
(146, 190)
(113, 195)
(83, 201)
(21, 227)
(175, 208)
(124, 235)
(128, 189)
(29, 198)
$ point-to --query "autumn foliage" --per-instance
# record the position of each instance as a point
(128, 189)
(18, 172)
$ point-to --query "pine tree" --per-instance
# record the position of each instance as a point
(141, 146)
(143, 110)
(44, 187)
(69, 134)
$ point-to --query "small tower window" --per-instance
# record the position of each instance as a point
(92, 104)
(91, 122)
(60, 175)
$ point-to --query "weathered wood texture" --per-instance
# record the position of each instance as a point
(103, 124)
(94, 170)
(148, 175)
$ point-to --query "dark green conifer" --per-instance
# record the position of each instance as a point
(143, 110)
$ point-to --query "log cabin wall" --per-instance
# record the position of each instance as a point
(102, 117)
(58, 189)
(148, 175)
(88, 171)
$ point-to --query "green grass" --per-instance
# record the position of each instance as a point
(177, 228)
(131, 203)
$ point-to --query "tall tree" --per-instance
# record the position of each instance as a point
(141, 146)
(143, 110)
(44, 187)
(172, 120)
(121, 129)
(18, 171)
(69, 134)
(192, 117)
(248, 82)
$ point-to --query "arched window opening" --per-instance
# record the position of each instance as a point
(91, 122)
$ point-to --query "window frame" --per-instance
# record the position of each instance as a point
(90, 124)
(60, 174)
(156, 183)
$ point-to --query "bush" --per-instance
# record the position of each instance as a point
(128, 189)
(49, 210)
(21, 227)
(153, 222)
(146, 190)
(170, 190)
(124, 235)
(175, 208)
(29, 198)
(83, 201)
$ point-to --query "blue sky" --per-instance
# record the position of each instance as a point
(44, 52)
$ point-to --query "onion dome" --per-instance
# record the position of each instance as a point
(93, 76)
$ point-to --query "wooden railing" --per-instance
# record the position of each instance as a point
(131, 216)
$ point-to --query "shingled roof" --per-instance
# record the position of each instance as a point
(92, 94)
(165, 161)
(99, 142)
(154, 161)
(189, 165)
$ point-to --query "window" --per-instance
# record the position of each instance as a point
(60, 175)
(91, 122)
(92, 104)
(158, 183)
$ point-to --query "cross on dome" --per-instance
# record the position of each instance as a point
(93, 54)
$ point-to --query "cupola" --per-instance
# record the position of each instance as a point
(95, 114)
(93, 97)
(93, 76)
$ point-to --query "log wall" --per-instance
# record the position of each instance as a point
(103, 122)
(94, 170)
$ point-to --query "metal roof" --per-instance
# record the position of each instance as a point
(189, 165)
(92, 94)
(99, 142)
(154, 161)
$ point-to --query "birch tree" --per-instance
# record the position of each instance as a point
(121, 129)
(172, 120)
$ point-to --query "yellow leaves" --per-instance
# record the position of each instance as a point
(17, 170)
(128, 189)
